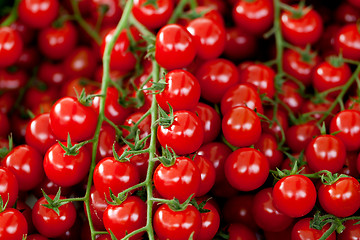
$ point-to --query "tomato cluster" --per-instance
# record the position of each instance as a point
(179, 119)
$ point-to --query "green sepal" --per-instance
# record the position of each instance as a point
(55, 203)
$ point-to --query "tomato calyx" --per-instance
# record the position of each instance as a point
(328, 178)
(174, 204)
(167, 158)
(2, 204)
(116, 200)
(336, 61)
(166, 120)
(299, 12)
(295, 164)
(151, 3)
(70, 149)
(86, 100)
(200, 207)
(55, 203)
(4, 151)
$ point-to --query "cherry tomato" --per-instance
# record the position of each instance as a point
(98, 206)
(302, 230)
(13, 225)
(347, 41)
(210, 221)
(210, 120)
(268, 145)
(50, 188)
(177, 225)
(81, 62)
(290, 96)
(174, 47)
(107, 10)
(241, 127)
(239, 231)
(126, 217)
(239, 44)
(107, 138)
(316, 109)
(207, 174)
(68, 116)
(179, 180)
(276, 127)
(26, 164)
(352, 231)
(38, 14)
(11, 46)
(299, 136)
(5, 125)
(48, 222)
(51, 74)
(341, 198)
(185, 135)
(8, 186)
(294, 195)
(36, 237)
(10, 81)
(246, 169)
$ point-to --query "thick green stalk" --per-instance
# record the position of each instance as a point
(279, 41)
(178, 11)
(12, 16)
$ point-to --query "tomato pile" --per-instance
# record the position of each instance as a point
(179, 119)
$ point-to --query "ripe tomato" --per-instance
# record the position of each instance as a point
(241, 127)
(117, 176)
(98, 206)
(153, 15)
(348, 123)
(174, 47)
(255, 16)
(210, 221)
(36, 237)
(26, 164)
(341, 198)
(68, 116)
(38, 14)
(268, 145)
(8, 187)
(290, 96)
(301, 28)
(5, 125)
(347, 41)
(81, 62)
(66, 170)
(182, 91)
(185, 135)
(126, 217)
(210, 120)
(207, 174)
(177, 225)
(239, 44)
(48, 222)
(12, 80)
(246, 169)
(294, 195)
(13, 225)
(239, 231)
(107, 138)
(266, 215)
(215, 78)
(302, 230)
(110, 17)
(274, 128)
(299, 136)
(352, 230)
(11, 46)
(179, 180)
(326, 152)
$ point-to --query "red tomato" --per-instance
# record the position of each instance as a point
(239, 44)
(316, 109)
(111, 16)
(266, 215)
(239, 231)
(290, 96)
(246, 169)
(346, 13)
(302, 230)
(28, 59)
(210, 120)
(210, 221)
(12, 80)
(69, 116)
(38, 14)
(144, 126)
(8, 187)
(48, 222)
(36, 237)
(57, 43)
(207, 174)
(341, 198)
(11, 46)
(27, 33)
(26, 164)
(185, 135)
(179, 180)
(98, 206)
(299, 136)
(294, 195)
(255, 16)
(81, 62)
(182, 91)
(13, 225)
(326, 152)
(268, 145)
(275, 128)
(51, 188)
(241, 127)
(352, 231)
(348, 123)
(126, 217)
(215, 78)
(301, 28)
(153, 15)
(347, 41)
(5, 125)
(174, 47)
(177, 225)
(107, 137)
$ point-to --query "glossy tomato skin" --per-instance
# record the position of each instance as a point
(10, 81)
(177, 225)
(246, 169)
(294, 195)
(207, 174)
(275, 129)
(153, 16)
(66, 170)
(39, 134)
(185, 135)
(26, 164)
(255, 17)
(215, 78)
(110, 173)
(347, 41)
(266, 215)
(38, 14)
(98, 206)
(210, 221)
(304, 30)
(68, 116)
(241, 127)
(13, 225)
(290, 96)
(182, 91)
(209, 36)
(11, 46)
(52, 74)
(81, 62)
(8, 187)
(126, 217)
(268, 145)
(302, 230)
(36, 237)
(112, 15)
(107, 138)
(174, 47)
(351, 232)
(239, 44)
(210, 120)
(179, 180)
(48, 222)
(341, 198)
(348, 123)
(239, 231)
(244, 94)
(299, 136)
(5, 125)
(326, 152)
(57, 43)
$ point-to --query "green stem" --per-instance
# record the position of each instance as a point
(178, 11)
(135, 232)
(329, 232)
(279, 41)
(12, 16)
(193, 4)
(140, 27)
(111, 123)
